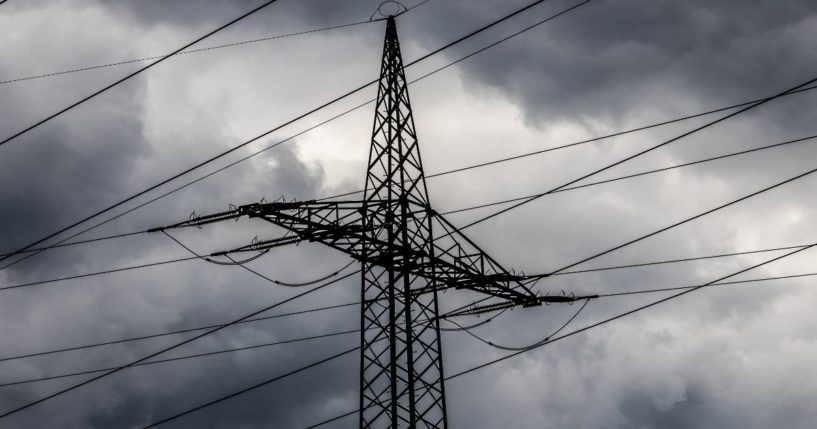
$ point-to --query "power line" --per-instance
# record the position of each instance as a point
(736, 282)
(597, 324)
(669, 261)
(581, 142)
(185, 357)
(176, 332)
(689, 219)
(154, 264)
(152, 200)
(207, 49)
(74, 243)
(475, 207)
(97, 273)
(256, 273)
(627, 313)
(645, 151)
(542, 341)
(336, 418)
(169, 348)
(129, 76)
(263, 383)
(629, 293)
(166, 262)
(217, 352)
(274, 379)
(457, 170)
(192, 51)
(321, 107)
(350, 304)
(630, 176)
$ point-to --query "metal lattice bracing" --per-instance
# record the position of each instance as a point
(401, 374)
(403, 265)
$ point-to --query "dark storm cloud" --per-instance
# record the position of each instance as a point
(609, 58)
(599, 63)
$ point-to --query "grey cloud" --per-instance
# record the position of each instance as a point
(609, 64)
(607, 59)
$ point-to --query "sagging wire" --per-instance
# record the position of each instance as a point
(476, 325)
(261, 253)
(211, 260)
(530, 346)
(289, 284)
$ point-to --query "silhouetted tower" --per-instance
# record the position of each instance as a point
(401, 383)
(404, 265)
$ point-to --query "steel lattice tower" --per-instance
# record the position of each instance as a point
(404, 265)
(401, 372)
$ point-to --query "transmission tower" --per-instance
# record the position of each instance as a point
(409, 255)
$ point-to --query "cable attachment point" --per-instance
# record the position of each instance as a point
(389, 8)
(234, 208)
(193, 220)
(255, 244)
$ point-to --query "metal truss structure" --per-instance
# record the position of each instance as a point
(409, 255)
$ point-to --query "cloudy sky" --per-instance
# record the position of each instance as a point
(736, 356)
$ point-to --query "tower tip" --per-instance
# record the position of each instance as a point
(389, 10)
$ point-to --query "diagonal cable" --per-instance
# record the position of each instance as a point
(186, 52)
(169, 348)
(687, 220)
(289, 122)
(185, 357)
(633, 311)
(645, 151)
(137, 72)
(634, 175)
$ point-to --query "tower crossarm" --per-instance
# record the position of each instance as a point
(339, 224)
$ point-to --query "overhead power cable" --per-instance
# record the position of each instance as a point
(166, 262)
(605, 321)
(258, 385)
(176, 332)
(169, 348)
(154, 199)
(256, 273)
(518, 350)
(135, 73)
(350, 304)
(178, 358)
(627, 313)
(629, 293)
(634, 175)
(207, 49)
(668, 261)
(253, 387)
(333, 419)
(74, 243)
(289, 122)
(97, 273)
(192, 51)
(686, 220)
(645, 151)
(597, 324)
(506, 201)
(734, 282)
(63, 243)
(530, 346)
